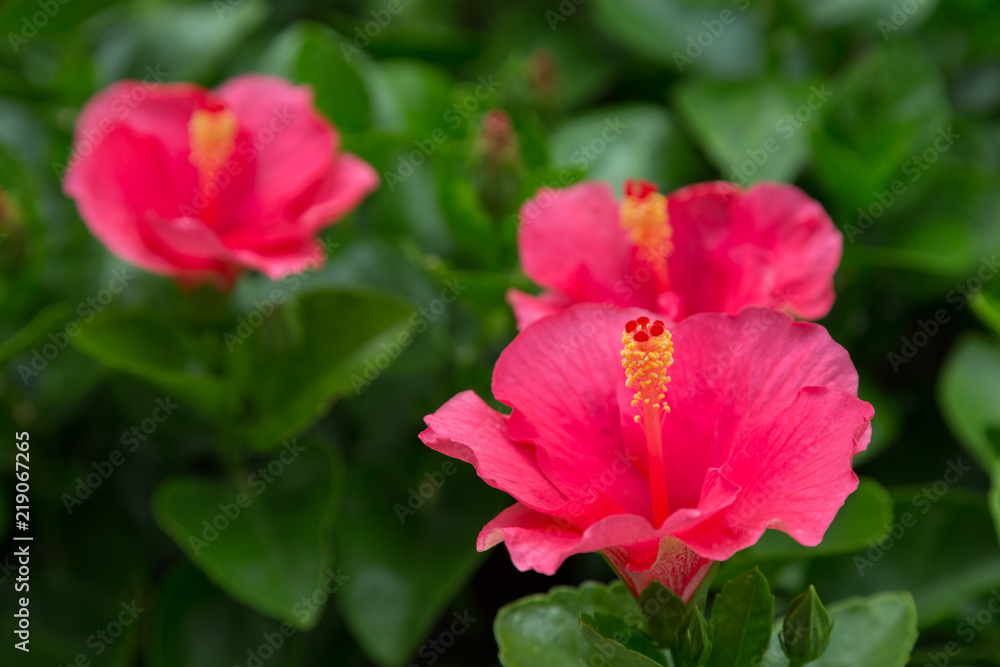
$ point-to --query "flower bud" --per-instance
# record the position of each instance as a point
(805, 633)
(496, 156)
(694, 646)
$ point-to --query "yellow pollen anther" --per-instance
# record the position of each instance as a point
(647, 352)
(644, 218)
(212, 135)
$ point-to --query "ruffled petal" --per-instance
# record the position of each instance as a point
(126, 179)
(528, 308)
(570, 240)
(803, 243)
(560, 376)
(795, 473)
(294, 146)
(467, 429)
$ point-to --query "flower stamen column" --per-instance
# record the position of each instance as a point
(648, 350)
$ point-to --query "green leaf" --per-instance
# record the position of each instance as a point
(887, 18)
(544, 630)
(408, 552)
(617, 143)
(313, 54)
(910, 555)
(987, 307)
(181, 42)
(664, 612)
(753, 130)
(741, 621)
(150, 347)
(618, 643)
(264, 541)
(323, 345)
(188, 603)
(721, 39)
(878, 631)
(51, 320)
(863, 518)
(969, 395)
(888, 105)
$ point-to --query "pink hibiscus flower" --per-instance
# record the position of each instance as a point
(710, 247)
(762, 425)
(200, 184)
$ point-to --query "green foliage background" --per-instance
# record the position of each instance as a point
(886, 111)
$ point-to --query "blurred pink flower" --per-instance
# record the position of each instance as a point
(710, 247)
(762, 426)
(200, 184)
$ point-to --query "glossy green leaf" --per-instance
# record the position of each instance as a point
(753, 130)
(266, 540)
(150, 347)
(878, 631)
(313, 54)
(616, 143)
(618, 643)
(323, 345)
(742, 617)
(544, 630)
(719, 38)
(188, 603)
(910, 555)
(409, 547)
(887, 106)
(969, 394)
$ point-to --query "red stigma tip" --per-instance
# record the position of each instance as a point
(638, 188)
(640, 337)
(657, 329)
(642, 321)
(631, 326)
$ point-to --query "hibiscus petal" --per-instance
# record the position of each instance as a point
(127, 178)
(348, 182)
(190, 246)
(571, 240)
(730, 374)
(148, 109)
(295, 145)
(804, 243)
(467, 429)
(528, 308)
(560, 377)
(795, 473)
